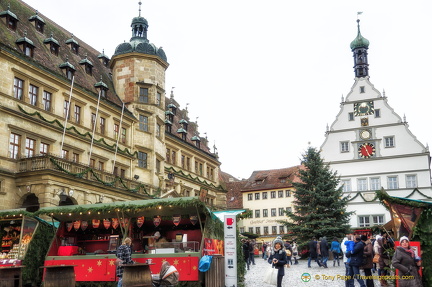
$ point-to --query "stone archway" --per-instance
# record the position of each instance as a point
(31, 203)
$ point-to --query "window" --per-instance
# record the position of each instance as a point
(265, 212)
(258, 230)
(43, 148)
(282, 179)
(274, 229)
(250, 196)
(18, 88)
(143, 123)
(344, 146)
(46, 101)
(201, 169)
(158, 99)
(361, 184)
(389, 141)
(281, 229)
(364, 221)
(75, 157)
(346, 185)
(250, 229)
(350, 116)
(188, 163)
(143, 96)
(66, 110)
(288, 209)
(392, 182)
(102, 125)
(158, 130)
(11, 22)
(77, 114)
(378, 219)
(39, 25)
(411, 181)
(158, 166)
(54, 48)
(33, 93)
(142, 159)
(273, 212)
(266, 230)
(183, 161)
(27, 48)
(287, 193)
(272, 194)
(14, 146)
(30, 147)
(264, 195)
(101, 165)
(375, 183)
(93, 120)
(65, 154)
(257, 196)
(257, 213)
(377, 113)
(123, 136)
(362, 89)
(280, 193)
(242, 229)
(281, 211)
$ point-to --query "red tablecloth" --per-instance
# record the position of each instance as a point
(67, 250)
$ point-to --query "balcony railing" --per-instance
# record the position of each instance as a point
(49, 162)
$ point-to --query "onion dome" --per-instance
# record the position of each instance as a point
(359, 41)
(139, 42)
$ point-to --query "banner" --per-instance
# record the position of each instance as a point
(140, 221)
(176, 219)
(157, 220)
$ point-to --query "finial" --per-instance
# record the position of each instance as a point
(51, 34)
(67, 58)
(72, 36)
(327, 128)
(384, 93)
(25, 33)
(139, 11)
(186, 108)
(172, 93)
(404, 118)
(342, 98)
(36, 12)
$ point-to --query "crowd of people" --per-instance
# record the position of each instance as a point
(365, 258)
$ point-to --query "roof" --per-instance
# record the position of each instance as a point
(271, 179)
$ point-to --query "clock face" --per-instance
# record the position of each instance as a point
(364, 108)
(366, 150)
(365, 134)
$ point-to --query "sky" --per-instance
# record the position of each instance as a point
(264, 78)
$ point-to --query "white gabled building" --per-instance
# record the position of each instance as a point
(371, 147)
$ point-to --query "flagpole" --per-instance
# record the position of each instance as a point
(94, 127)
(118, 136)
(67, 116)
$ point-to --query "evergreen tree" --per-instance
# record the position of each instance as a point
(319, 205)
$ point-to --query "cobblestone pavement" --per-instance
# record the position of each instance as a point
(319, 276)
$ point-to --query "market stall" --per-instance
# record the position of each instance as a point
(88, 236)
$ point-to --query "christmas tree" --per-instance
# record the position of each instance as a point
(319, 204)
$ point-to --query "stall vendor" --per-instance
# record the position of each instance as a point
(158, 238)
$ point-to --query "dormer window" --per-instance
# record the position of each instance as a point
(88, 66)
(196, 139)
(26, 45)
(53, 44)
(172, 108)
(68, 69)
(73, 44)
(184, 124)
(183, 133)
(168, 126)
(103, 58)
(169, 116)
(38, 22)
(11, 19)
(102, 87)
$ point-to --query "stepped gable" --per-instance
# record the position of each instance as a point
(44, 59)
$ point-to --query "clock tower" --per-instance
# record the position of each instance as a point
(371, 147)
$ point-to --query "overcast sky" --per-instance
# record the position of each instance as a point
(266, 77)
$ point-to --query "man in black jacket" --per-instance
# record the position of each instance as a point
(356, 259)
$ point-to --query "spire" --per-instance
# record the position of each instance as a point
(359, 47)
(139, 26)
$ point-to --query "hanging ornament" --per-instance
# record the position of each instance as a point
(193, 219)
(176, 219)
(96, 223)
(69, 226)
(77, 224)
(157, 220)
(124, 222)
(140, 221)
(84, 225)
(115, 223)
(106, 223)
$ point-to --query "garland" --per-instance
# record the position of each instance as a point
(196, 179)
(379, 192)
(111, 184)
(86, 134)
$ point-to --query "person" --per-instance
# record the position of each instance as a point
(312, 245)
(368, 263)
(278, 258)
(264, 250)
(335, 248)
(295, 252)
(356, 259)
(252, 252)
(384, 258)
(124, 253)
(347, 246)
(158, 238)
(245, 248)
(288, 247)
(324, 249)
(408, 263)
